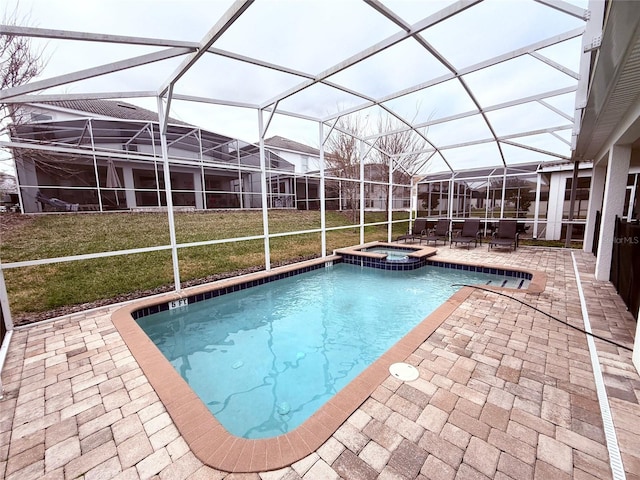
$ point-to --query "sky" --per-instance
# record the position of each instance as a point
(312, 36)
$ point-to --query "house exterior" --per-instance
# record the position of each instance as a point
(81, 155)
(304, 189)
(98, 155)
(538, 195)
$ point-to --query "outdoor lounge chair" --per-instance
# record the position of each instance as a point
(419, 229)
(56, 203)
(470, 233)
(506, 235)
(441, 232)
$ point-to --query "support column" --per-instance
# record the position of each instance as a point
(596, 194)
(197, 190)
(28, 187)
(572, 201)
(129, 185)
(536, 214)
(614, 192)
(555, 208)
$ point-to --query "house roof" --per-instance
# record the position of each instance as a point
(287, 144)
(118, 109)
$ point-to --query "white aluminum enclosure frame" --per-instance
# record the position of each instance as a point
(192, 52)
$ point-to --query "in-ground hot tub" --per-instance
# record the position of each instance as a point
(387, 256)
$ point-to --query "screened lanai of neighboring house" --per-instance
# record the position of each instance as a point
(433, 109)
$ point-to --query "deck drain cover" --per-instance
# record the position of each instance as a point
(404, 372)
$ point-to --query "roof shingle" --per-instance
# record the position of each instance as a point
(119, 109)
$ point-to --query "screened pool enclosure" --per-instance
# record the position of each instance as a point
(432, 109)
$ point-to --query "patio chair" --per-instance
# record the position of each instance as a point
(470, 233)
(441, 232)
(419, 229)
(506, 235)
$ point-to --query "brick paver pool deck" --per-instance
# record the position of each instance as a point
(504, 392)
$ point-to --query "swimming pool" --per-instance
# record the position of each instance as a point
(264, 359)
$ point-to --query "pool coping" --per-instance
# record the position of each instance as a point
(211, 443)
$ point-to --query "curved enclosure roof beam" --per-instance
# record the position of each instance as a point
(292, 88)
(92, 72)
(214, 34)
(379, 47)
(15, 30)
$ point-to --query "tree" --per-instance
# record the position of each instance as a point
(407, 149)
(7, 184)
(430, 197)
(343, 161)
(19, 63)
(395, 141)
(518, 192)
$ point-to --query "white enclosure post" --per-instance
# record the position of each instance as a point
(200, 193)
(323, 209)
(450, 203)
(596, 194)
(263, 193)
(362, 199)
(390, 203)
(613, 205)
(155, 164)
(536, 214)
(486, 205)
(4, 303)
(95, 164)
(504, 190)
(167, 188)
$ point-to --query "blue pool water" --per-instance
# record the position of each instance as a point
(266, 358)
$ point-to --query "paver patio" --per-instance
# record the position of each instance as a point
(504, 392)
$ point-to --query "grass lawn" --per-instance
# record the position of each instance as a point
(49, 290)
